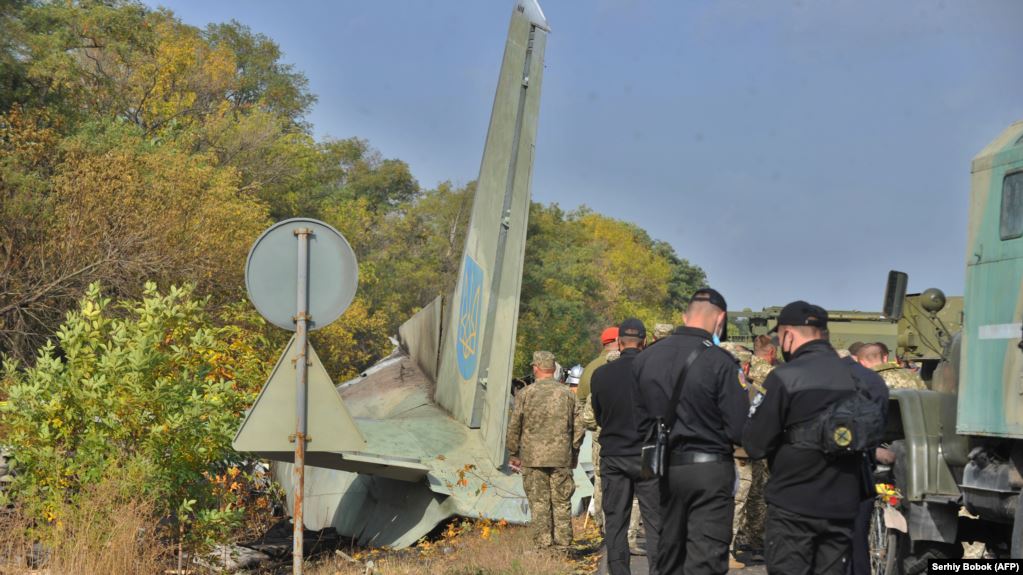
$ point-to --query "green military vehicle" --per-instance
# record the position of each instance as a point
(917, 334)
(959, 444)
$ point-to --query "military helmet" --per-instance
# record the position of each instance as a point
(574, 375)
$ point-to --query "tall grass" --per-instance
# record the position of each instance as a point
(106, 530)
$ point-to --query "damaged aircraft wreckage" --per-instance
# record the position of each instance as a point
(424, 429)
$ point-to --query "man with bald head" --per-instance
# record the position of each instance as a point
(875, 356)
(705, 424)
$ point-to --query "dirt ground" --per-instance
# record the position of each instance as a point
(640, 565)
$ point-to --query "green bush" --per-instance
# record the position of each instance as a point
(154, 382)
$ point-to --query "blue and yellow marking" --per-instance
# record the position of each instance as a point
(470, 312)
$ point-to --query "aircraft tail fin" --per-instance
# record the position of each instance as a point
(478, 345)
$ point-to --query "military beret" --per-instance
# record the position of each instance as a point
(543, 360)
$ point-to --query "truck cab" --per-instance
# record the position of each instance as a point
(960, 443)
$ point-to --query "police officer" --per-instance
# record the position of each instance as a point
(543, 440)
(612, 398)
(812, 500)
(696, 491)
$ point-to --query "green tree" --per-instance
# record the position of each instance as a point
(108, 204)
(151, 381)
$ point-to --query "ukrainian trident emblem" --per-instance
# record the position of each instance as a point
(470, 311)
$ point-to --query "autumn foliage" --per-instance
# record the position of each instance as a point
(140, 157)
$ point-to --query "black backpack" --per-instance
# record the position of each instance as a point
(855, 424)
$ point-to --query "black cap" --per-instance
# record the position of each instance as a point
(710, 295)
(802, 313)
(632, 327)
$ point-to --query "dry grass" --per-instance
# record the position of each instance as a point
(107, 531)
(471, 548)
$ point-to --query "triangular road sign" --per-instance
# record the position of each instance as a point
(270, 424)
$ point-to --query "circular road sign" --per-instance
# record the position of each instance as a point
(271, 273)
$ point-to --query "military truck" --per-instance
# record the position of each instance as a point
(959, 444)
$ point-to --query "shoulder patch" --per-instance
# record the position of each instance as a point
(743, 382)
(757, 400)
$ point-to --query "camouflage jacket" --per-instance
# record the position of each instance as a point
(584, 381)
(898, 377)
(544, 431)
(759, 369)
(589, 420)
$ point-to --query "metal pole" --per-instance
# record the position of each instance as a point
(302, 380)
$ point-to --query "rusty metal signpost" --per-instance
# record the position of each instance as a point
(301, 275)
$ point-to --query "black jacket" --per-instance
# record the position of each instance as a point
(804, 481)
(612, 389)
(714, 401)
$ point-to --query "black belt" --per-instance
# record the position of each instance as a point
(690, 457)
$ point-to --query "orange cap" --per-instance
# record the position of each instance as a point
(608, 335)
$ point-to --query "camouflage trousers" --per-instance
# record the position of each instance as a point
(549, 491)
(750, 507)
(744, 475)
(598, 500)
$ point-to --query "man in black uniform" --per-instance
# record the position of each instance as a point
(612, 393)
(696, 492)
(812, 499)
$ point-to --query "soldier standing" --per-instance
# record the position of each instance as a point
(543, 439)
(609, 346)
(743, 468)
(750, 534)
(696, 492)
(609, 342)
(854, 349)
(661, 331)
(875, 356)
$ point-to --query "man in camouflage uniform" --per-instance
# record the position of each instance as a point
(543, 439)
(875, 356)
(854, 349)
(743, 465)
(750, 533)
(609, 352)
(662, 330)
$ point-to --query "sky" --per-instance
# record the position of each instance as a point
(791, 149)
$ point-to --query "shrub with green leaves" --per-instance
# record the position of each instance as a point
(156, 382)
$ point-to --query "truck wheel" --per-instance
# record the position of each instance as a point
(926, 551)
(1017, 531)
